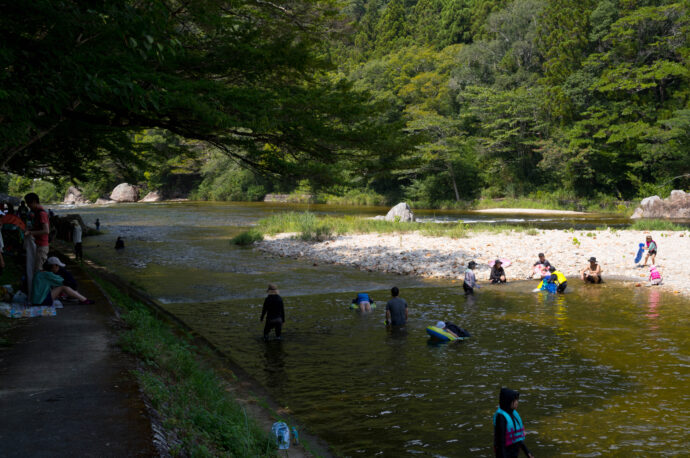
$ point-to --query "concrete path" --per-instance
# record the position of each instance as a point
(66, 389)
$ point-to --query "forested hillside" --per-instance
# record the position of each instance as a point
(435, 101)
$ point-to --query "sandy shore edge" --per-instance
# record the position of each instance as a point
(527, 211)
(446, 258)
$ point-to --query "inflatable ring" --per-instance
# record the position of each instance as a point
(439, 334)
(356, 306)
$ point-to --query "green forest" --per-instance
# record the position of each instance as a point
(439, 102)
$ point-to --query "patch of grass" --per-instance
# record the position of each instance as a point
(191, 398)
(247, 238)
(656, 225)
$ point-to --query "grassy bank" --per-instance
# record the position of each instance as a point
(312, 227)
(191, 398)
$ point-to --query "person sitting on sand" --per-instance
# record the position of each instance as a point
(591, 273)
(47, 285)
(541, 266)
(497, 275)
(558, 278)
(452, 329)
(654, 276)
(363, 301)
(651, 250)
(470, 279)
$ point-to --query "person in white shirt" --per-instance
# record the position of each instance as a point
(76, 238)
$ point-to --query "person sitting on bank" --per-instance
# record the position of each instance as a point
(591, 273)
(558, 278)
(497, 275)
(396, 309)
(67, 277)
(363, 301)
(509, 431)
(541, 266)
(452, 329)
(47, 285)
(470, 281)
(274, 311)
(119, 243)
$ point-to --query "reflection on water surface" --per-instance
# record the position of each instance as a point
(603, 370)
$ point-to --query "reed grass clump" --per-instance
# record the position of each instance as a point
(247, 238)
(656, 225)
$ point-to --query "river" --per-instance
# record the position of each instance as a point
(603, 369)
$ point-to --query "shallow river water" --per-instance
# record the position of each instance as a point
(603, 370)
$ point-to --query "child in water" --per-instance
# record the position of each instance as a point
(470, 279)
(654, 276)
(509, 431)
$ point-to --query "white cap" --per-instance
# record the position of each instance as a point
(441, 325)
(54, 261)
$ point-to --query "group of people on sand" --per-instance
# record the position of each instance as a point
(551, 276)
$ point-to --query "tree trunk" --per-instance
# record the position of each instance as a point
(455, 185)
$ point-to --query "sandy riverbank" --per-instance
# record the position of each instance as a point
(442, 257)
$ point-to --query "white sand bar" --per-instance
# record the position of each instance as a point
(442, 257)
(527, 211)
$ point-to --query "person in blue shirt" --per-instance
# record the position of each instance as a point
(363, 301)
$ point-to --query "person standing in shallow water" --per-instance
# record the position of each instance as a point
(396, 309)
(98, 224)
(274, 311)
(509, 431)
(470, 281)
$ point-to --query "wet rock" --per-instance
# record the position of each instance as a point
(400, 212)
(125, 192)
(104, 201)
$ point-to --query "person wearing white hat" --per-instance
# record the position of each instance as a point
(47, 285)
(453, 329)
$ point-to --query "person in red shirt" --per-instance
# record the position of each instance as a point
(40, 229)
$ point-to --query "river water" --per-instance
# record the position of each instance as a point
(603, 370)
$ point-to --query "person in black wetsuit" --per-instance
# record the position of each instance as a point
(509, 431)
(454, 329)
(274, 312)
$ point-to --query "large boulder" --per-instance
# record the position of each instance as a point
(125, 192)
(400, 212)
(677, 206)
(153, 196)
(10, 199)
(74, 196)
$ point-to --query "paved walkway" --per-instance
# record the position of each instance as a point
(65, 386)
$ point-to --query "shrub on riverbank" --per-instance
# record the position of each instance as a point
(247, 238)
(190, 397)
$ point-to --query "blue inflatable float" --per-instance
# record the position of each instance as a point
(441, 335)
(640, 252)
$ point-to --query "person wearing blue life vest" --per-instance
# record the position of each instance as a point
(363, 301)
(509, 431)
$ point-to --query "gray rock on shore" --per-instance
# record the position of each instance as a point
(104, 201)
(10, 199)
(153, 196)
(677, 205)
(125, 192)
(74, 196)
(400, 212)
